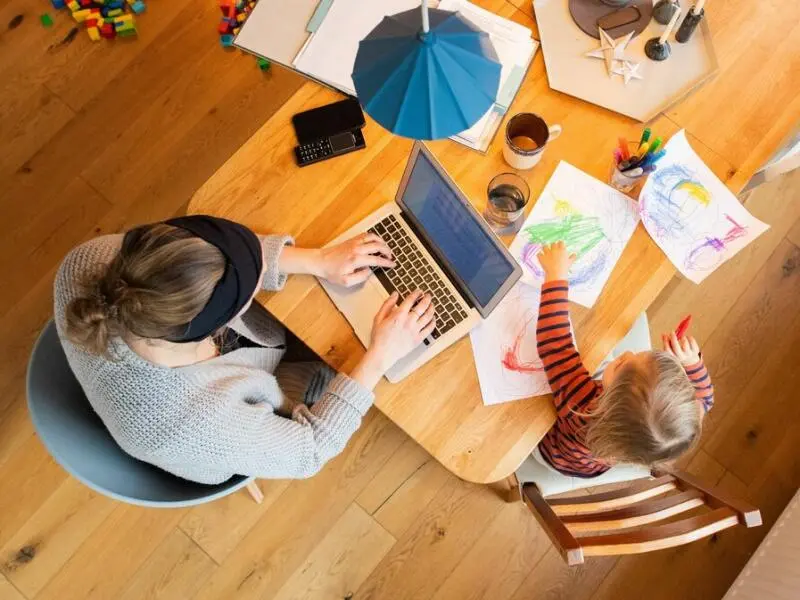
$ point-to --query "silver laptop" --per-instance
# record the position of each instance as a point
(441, 246)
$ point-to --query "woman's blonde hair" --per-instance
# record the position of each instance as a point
(646, 416)
(160, 280)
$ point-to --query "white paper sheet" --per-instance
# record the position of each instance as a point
(331, 52)
(691, 215)
(593, 219)
(504, 347)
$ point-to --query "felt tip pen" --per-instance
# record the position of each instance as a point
(645, 136)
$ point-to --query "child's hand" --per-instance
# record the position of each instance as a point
(556, 261)
(685, 349)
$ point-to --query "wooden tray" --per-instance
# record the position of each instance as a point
(662, 85)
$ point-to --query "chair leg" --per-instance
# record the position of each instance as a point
(255, 491)
(508, 489)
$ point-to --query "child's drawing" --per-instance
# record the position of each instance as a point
(691, 215)
(504, 346)
(594, 220)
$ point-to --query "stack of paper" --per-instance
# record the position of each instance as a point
(330, 52)
(515, 48)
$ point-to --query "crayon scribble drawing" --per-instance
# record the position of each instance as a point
(691, 215)
(595, 222)
(504, 346)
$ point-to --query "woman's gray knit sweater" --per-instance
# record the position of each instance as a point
(208, 421)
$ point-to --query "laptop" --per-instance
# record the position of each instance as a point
(441, 246)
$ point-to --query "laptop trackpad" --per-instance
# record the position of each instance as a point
(359, 304)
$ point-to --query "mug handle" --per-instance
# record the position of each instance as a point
(555, 131)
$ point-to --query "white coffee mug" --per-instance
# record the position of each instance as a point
(527, 135)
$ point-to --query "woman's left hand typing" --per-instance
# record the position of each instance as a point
(351, 262)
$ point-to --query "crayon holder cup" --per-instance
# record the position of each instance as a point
(619, 181)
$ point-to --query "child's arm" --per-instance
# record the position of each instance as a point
(571, 383)
(687, 351)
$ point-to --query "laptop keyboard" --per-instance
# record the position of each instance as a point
(414, 272)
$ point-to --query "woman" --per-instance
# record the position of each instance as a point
(159, 328)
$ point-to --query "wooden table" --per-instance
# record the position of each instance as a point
(735, 122)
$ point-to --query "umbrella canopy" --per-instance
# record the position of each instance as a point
(430, 84)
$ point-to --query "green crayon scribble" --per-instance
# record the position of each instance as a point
(578, 232)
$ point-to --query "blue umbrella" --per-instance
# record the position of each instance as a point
(426, 76)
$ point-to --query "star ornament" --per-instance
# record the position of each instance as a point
(628, 69)
(611, 49)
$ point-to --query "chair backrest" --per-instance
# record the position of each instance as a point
(77, 439)
(639, 517)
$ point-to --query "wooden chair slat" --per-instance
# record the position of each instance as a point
(562, 539)
(661, 536)
(749, 515)
(649, 511)
(638, 491)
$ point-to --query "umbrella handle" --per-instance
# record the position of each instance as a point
(425, 24)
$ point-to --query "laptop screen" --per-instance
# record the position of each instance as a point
(454, 229)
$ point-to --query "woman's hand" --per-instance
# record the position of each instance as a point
(351, 262)
(398, 329)
(556, 261)
(686, 349)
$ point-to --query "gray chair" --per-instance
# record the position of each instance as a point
(77, 439)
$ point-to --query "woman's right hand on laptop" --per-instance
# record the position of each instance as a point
(396, 330)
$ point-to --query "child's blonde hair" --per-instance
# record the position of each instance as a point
(646, 416)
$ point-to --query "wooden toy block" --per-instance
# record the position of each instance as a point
(58, 4)
(85, 3)
(138, 7)
(46, 20)
(94, 34)
(73, 5)
(223, 26)
(127, 33)
(89, 23)
(114, 12)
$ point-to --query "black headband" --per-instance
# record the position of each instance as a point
(243, 262)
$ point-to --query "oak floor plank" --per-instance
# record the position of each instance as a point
(408, 459)
(341, 561)
(52, 535)
(112, 554)
(500, 560)
(794, 234)
(404, 507)
(295, 523)
(176, 570)
(8, 591)
(746, 336)
(429, 550)
(218, 527)
(27, 479)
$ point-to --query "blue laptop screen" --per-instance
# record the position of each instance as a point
(452, 228)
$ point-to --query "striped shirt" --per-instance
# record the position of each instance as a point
(575, 393)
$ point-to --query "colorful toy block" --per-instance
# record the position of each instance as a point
(58, 4)
(138, 7)
(94, 33)
(226, 40)
(46, 20)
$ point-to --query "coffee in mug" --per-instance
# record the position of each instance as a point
(526, 136)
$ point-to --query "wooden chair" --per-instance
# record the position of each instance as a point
(629, 520)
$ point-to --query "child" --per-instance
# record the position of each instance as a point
(647, 409)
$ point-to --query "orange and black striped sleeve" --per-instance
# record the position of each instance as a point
(571, 383)
(701, 380)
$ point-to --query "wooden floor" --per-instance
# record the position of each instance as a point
(94, 138)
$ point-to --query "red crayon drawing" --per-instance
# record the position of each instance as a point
(511, 356)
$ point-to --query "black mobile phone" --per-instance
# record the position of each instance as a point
(327, 121)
